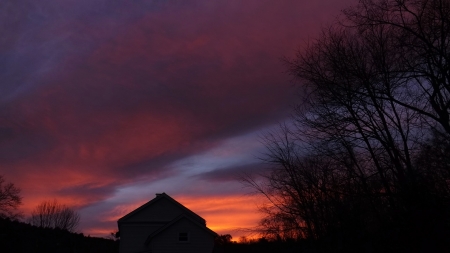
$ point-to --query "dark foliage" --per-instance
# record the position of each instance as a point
(20, 237)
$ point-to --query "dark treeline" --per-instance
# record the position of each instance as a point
(17, 237)
(261, 246)
(223, 244)
(364, 165)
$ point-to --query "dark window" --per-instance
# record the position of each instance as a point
(183, 237)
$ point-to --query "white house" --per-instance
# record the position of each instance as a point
(163, 225)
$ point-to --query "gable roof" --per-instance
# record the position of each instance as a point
(158, 197)
(175, 221)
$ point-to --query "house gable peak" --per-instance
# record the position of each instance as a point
(159, 197)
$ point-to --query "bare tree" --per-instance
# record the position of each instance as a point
(10, 199)
(378, 82)
(51, 214)
(376, 88)
(311, 192)
(420, 42)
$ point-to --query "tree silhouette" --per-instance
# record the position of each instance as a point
(10, 199)
(418, 35)
(51, 214)
(349, 168)
(221, 240)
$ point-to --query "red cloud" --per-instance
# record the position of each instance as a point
(100, 94)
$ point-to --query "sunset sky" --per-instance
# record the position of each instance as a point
(104, 103)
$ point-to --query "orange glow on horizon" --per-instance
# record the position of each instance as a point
(235, 214)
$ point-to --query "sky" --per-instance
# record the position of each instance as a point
(105, 103)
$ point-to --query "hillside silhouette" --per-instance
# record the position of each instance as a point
(17, 237)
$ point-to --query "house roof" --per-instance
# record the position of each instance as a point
(158, 197)
(175, 221)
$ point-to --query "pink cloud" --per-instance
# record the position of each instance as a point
(101, 95)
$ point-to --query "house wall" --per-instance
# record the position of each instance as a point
(200, 241)
(133, 236)
(135, 229)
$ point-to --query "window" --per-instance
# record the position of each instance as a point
(183, 237)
